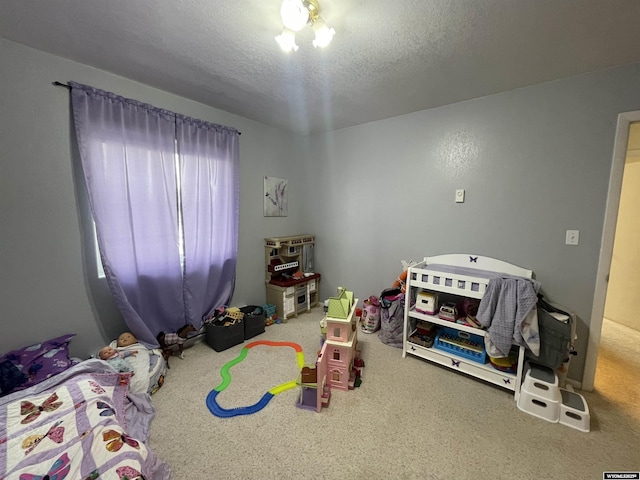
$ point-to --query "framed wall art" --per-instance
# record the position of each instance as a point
(276, 193)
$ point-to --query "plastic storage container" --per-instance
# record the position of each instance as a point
(253, 321)
(220, 337)
(462, 344)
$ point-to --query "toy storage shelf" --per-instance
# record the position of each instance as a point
(460, 364)
(461, 276)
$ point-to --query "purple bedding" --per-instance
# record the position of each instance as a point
(79, 424)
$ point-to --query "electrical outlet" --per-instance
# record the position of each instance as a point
(460, 195)
(572, 238)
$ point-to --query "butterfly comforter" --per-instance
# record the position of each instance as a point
(80, 424)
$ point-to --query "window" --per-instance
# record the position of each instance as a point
(100, 267)
(159, 185)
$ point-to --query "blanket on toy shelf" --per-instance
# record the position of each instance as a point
(80, 424)
(508, 311)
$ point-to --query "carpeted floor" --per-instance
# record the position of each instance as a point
(409, 420)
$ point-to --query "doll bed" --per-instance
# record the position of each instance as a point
(148, 365)
(80, 423)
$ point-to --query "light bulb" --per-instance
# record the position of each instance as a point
(294, 14)
(324, 35)
(287, 40)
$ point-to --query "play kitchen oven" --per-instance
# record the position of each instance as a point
(291, 284)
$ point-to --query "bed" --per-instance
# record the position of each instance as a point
(81, 421)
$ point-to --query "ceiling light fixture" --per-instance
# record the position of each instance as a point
(295, 15)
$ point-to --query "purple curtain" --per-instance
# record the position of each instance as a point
(209, 160)
(167, 223)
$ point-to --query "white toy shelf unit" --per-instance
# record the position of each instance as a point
(454, 278)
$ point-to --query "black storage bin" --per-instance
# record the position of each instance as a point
(220, 337)
(253, 320)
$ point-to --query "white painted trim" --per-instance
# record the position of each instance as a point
(574, 383)
(606, 246)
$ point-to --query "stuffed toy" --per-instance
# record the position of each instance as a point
(167, 340)
(401, 281)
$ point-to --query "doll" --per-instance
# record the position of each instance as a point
(125, 339)
(117, 359)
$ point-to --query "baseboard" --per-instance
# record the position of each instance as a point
(191, 341)
(574, 383)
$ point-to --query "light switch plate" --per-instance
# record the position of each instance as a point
(459, 195)
(572, 238)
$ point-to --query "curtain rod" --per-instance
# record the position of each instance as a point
(68, 87)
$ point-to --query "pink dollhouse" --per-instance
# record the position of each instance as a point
(339, 350)
(335, 363)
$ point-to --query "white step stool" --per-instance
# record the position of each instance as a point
(539, 406)
(574, 411)
(542, 382)
(540, 395)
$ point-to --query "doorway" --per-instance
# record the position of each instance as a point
(625, 120)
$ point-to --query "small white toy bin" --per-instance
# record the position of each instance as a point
(542, 382)
(574, 411)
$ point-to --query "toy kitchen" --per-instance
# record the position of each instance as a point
(291, 284)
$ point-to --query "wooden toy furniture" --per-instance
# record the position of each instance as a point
(291, 284)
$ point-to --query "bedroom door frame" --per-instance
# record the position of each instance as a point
(606, 245)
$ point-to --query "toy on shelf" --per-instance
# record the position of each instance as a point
(168, 340)
(425, 333)
(427, 302)
(448, 311)
(469, 311)
(505, 364)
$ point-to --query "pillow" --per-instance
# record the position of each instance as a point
(37, 362)
(10, 377)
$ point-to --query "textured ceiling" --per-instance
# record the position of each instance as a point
(388, 57)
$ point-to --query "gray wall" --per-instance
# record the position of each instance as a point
(534, 162)
(48, 285)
